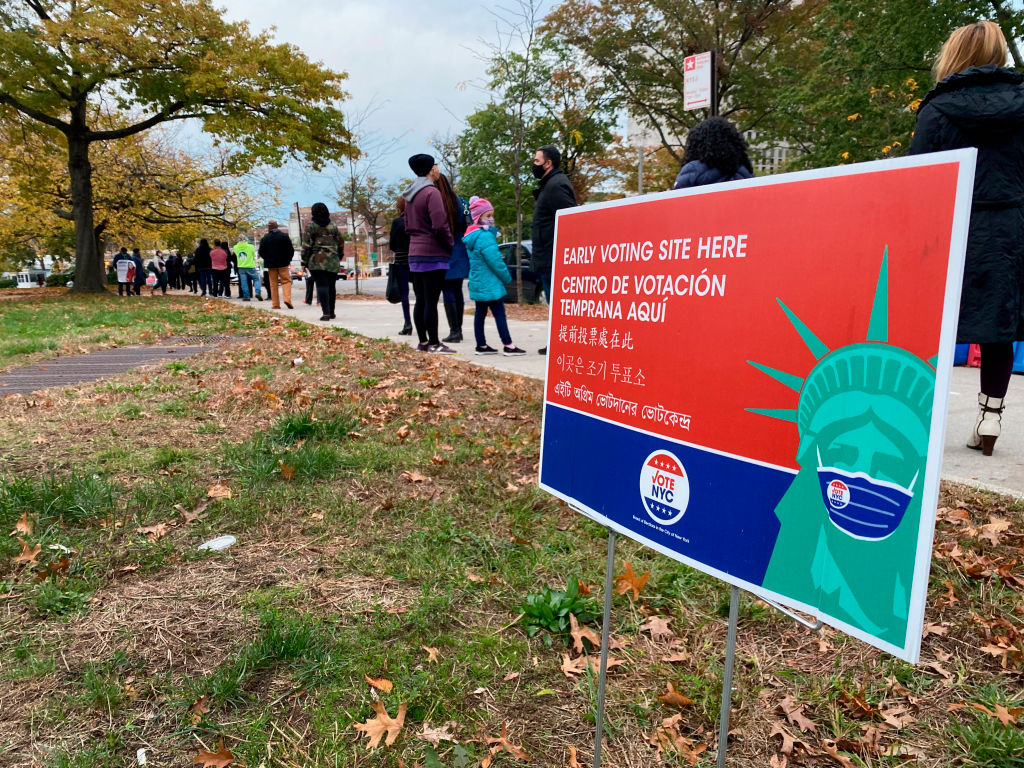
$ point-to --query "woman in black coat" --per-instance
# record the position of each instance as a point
(398, 244)
(979, 103)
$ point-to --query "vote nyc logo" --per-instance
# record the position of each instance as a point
(664, 487)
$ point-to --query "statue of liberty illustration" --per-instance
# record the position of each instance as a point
(850, 518)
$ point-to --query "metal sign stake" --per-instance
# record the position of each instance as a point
(605, 635)
(730, 656)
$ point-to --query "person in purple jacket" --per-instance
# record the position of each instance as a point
(430, 247)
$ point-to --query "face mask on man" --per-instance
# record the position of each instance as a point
(862, 506)
(538, 171)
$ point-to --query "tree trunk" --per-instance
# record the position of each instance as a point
(89, 276)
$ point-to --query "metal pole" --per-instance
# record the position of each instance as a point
(730, 655)
(605, 633)
(640, 171)
(714, 84)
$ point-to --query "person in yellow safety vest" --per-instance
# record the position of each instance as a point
(245, 253)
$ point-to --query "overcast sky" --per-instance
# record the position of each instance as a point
(416, 63)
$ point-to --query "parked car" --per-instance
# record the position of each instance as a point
(532, 290)
(295, 271)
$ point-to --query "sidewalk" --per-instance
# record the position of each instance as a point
(1002, 472)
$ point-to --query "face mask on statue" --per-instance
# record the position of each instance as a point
(538, 171)
(861, 506)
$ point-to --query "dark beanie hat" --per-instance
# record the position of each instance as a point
(421, 164)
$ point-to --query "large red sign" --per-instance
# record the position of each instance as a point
(752, 378)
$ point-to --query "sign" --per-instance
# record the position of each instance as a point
(697, 81)
(752, 377)
(125, 271)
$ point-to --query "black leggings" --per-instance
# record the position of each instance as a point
(996, 368)
(326, 290)
(427, 287)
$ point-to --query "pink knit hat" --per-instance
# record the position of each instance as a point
(478, 206)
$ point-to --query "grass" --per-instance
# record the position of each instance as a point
(374, 519)
(50, 323)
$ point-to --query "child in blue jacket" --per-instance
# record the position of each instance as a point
(488, 277)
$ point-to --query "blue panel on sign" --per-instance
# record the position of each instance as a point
(682, 498)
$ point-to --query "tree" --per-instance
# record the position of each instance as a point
(640, 47)
(374, 201)
(874, 62)
(146, 191)
(539, 96)
(154, 62)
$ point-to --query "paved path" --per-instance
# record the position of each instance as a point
(75, 369)
(1002, 472)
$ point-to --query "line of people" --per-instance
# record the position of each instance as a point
(440, 240)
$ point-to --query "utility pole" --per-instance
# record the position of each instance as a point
(640, 170)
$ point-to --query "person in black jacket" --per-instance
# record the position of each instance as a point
(979, 103)
(204, 265)
(398, 243)
(552, 194)
(276, 250)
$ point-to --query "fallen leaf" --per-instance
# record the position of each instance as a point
(415, 477)
(287, 471)
(658, 627)
(23, 527)
(991, 531)
(898, 716)
(578, 666)
(673, 698)
(431, 653)
(934, 629)
(155, 531)
(833, 751)
(1006, 716)
(584, 588)
(510, 676)
(404, 432)
(795, 714)
(573, 762)
(219, 491)
(52, 569)
(379, 683)
(436, 735)
(501, 743)
(219, 759)
(628, 581)
(200, 708)
(28, 554)
(197, 510)
(376, 727)
(579, 634)
(40, 440)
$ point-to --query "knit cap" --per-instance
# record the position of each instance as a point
(478, 206)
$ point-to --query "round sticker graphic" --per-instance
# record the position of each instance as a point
(838, 494)
(664, 487)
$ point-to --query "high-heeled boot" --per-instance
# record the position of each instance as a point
(454, 323)
(986, 426)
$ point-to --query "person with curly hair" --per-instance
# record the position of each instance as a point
(715, 152)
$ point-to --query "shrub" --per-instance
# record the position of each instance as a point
(58, 279)
(8, 282)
